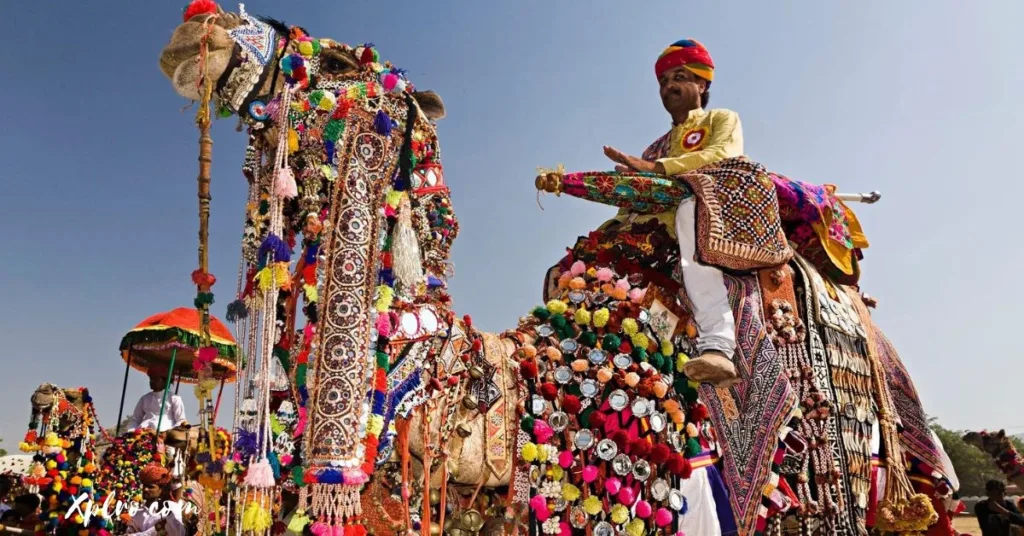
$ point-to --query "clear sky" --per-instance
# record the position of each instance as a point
(918, 99)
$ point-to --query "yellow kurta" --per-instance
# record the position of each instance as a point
(706, 137)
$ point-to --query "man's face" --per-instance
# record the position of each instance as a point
(151, 492)
(157, 382)
(997, 494)
(680, 90)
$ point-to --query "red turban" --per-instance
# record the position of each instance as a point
(686, 53)
(155, 473)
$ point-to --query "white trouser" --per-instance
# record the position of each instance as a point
(701, 517)
(705, 285)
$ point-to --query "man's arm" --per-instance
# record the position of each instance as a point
(136, 418)
(1014, 514)
(177, 413)
(724, 141)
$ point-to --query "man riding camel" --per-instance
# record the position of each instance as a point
(147, 411)
(699, 138)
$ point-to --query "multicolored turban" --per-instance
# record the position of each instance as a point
(155, 473)
(686, 53)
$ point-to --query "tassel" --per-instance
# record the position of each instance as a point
(382, 123)
(407, 264)
(298, 522)
(320, 529)
(256, 518)
(260, 475)
(284, 184)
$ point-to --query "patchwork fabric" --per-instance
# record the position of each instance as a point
(738, 225)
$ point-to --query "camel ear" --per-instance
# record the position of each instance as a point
(431, 104)
(1002, 434)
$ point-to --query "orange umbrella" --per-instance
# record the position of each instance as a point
(177, 332)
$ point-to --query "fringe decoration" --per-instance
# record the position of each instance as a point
(256, 518)
(260, 475)
(407, 262)
(901, 511)
(334, 504)
(284, 184)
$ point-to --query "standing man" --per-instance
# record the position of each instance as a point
(699, 138)
(997, 514)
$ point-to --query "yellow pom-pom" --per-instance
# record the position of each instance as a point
(86, 482)
(557, 307)
(256, 518)
(592, 505)
(385, 295)
(629, 327)
(640, 340)
(306, 48)
(528, 452)
(582, 316)
(79, 519)
(394, 198)
(311, 294)
(557, 472)
(229, 467)
(619, 514)
(293, 141)
(691, 430)
(375, 425)
(681, 360)
(50, 464)
(601, 317)
(635, 527)
(542, 453)
(570, 492)
(57, 487)
(693, 384)
(667, 348)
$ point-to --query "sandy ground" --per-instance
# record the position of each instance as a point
(968, 524)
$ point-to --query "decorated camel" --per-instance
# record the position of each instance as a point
(999, 446)
(409, 418)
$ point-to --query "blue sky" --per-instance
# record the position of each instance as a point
(917, 99)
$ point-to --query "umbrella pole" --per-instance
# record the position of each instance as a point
(177, 384)
(163, 400)
(124, 388)
(216, 407)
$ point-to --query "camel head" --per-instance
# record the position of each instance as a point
(990, 443)
(345, 150)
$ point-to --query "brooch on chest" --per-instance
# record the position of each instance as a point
(693, 139)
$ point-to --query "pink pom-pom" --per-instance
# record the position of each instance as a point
(284, 184)
(663, 517)
(643, 509)
(542, 431)
(589, 474)
(208, 354)
(622, 284)
(390, 81)
(626, 496)
(637, 295)
(605, 274)
(300, 426)
(384, 325)
(612, 486)
(578, 268)
(565, 459)
(538, 503)
(563, 529)
(320, 529)
(543, 514)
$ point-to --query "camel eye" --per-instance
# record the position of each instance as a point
(334, 65)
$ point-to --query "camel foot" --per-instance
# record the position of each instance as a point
(712, 367)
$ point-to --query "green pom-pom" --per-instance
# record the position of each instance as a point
(334, 129)
(588, 339)
(300, 374)
(383, 361)
(611, 343)
(282, 355)
(527, 424)
(558, 321)
(224, 112)
(542, 313)
(657, 360)
(692, 448)
(264, 207)
(585, 417)
(640, 354)
(297, 476)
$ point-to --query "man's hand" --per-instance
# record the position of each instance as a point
(627, 163)
(999, 509)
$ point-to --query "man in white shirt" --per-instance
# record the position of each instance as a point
(147, 411)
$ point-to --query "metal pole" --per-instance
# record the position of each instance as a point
(124, 387)
(163, 400)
